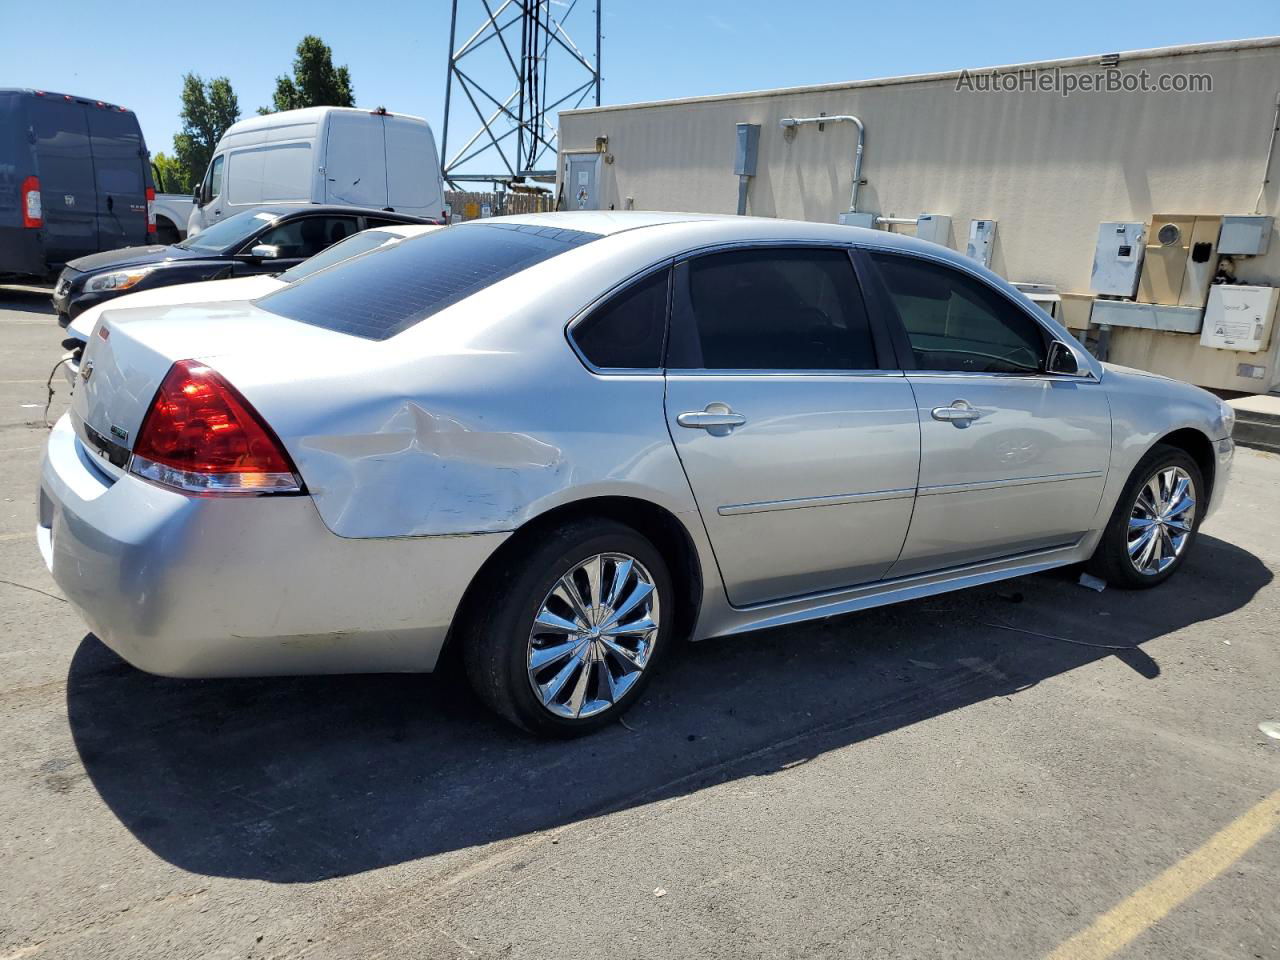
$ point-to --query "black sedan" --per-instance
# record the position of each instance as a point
(268, 239)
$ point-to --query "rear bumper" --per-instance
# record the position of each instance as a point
(250, 586)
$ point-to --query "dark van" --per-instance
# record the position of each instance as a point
(74, 180)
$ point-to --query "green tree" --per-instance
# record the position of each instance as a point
(170, 175)
(316, 82)
(209, 107)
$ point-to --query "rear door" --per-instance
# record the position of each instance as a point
(68, 192)
(413, 168)
(1012, 458)
(800, 448)
(119, 164)
(355, 166)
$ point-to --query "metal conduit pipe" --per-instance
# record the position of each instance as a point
(790, 122)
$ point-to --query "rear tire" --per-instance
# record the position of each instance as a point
(564, 639)
(1154, 525)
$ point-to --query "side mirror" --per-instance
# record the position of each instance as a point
(195, 196)
(265, 251)
(1061, 360)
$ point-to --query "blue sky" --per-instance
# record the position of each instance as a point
(135, 54)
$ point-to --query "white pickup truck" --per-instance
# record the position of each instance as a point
(171, 210)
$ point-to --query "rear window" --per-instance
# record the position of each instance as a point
(379, 296)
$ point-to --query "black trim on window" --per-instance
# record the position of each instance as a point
(890, 337)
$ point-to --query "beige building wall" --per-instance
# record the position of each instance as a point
(1048, 168)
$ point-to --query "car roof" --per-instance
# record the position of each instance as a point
(283, 209)
(722, 227)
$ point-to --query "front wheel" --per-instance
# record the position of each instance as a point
(562, 641)
(1155, 521)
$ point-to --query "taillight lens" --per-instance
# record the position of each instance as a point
(201, 436)
(151, 209)
(32, 208)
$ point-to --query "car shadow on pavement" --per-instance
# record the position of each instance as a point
(293, 780)
(22, 299)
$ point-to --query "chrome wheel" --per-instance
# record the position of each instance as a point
(1162, 519)
(593, 635)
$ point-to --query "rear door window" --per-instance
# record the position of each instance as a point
(307, 236)
(380, 296)
(769, 308)
(117, 152)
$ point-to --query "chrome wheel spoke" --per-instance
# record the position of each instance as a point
(1139, 545)
(621, 574)
(552, 622)
(595, 580)
(1140, 523)
(635, 627)
(567, 591)
(541, 657)
(633, 600)
(579, 694)
(589, 662)
(551, 689)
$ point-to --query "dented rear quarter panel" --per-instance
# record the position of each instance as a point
(476, 420)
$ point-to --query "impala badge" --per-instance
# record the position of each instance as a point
(121, 435)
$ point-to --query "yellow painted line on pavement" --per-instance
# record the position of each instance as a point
(1128, 920)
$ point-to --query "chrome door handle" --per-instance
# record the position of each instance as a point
(961, 413)
(717, 419)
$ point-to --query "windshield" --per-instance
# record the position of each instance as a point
(378, 297)
(353, 246)
(229, 233)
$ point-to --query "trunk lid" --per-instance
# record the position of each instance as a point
(131, 350)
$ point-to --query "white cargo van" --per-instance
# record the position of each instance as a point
(362, 158)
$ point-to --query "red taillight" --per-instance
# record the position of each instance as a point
(151, 209)
(201, 435)
(32, 208)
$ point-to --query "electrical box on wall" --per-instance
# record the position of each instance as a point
(1181, 259)
(852, 219)
(982, 238)
(1239, 317)
(1245, 236)
(934, 227)
(744, 162)
(1117, 258)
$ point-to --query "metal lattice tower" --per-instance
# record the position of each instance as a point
(506, 82)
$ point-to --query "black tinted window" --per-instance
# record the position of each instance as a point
(307, 236)
(627, 331)
(956, 322)
(379, 296)
(769, 309)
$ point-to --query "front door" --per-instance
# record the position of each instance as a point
(801, 452)
(1012, 459)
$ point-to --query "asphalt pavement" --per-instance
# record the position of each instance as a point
(1029, 769)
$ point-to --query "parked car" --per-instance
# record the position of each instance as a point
(340, 155)
(74, 180)
(222, 291)
(266, 240)
(566, 441)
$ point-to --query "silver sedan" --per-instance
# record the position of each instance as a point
(565, 442)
